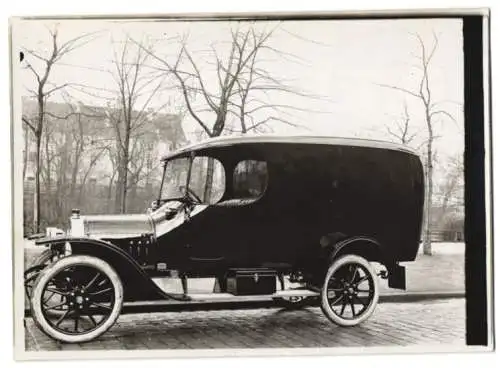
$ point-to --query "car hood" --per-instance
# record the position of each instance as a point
(115, 226)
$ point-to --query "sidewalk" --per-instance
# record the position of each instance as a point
(439, 275)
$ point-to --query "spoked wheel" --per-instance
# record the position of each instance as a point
(88, 296)
(30, 276)
(45, 258)
(350, 292)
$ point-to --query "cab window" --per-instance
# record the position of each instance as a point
(249, 179)
(207, 180)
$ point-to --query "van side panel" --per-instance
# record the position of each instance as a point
(356, 191)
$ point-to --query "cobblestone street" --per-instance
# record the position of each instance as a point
(393, 324)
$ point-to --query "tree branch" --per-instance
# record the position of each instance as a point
(414, 94)
(28, 123)
(444, 113)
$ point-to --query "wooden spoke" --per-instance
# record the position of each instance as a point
(101, 291)
(352, 309)
(364, 278)
(57, 292)
(55, 306)
(353, 272)
(91, 282)
(102, 305)
(364, 291)
(337, 300)
(356, 297)
(92, 319)
(44, 301)
(58, 322)
(344, 303)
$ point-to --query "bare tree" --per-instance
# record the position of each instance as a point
(402, 132)
(43, 90)
(26, 137)
(242, 86)
(432, 110)
(136, 89)
(450, 191)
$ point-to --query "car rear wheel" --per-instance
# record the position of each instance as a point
(350, 291)
(35, 268)
(89, 294)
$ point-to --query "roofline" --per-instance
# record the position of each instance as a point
(224, 141)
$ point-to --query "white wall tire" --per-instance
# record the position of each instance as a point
(86, 283)
(350, 291)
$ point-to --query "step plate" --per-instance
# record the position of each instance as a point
(226, 297)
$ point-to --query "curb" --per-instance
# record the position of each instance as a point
(410, 297)
(417, 296)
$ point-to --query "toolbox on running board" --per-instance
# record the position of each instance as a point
(251, 281)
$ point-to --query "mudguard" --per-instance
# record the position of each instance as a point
(366, 247)
(137, 285)
(372, 250)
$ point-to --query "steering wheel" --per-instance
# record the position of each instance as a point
(191, 193)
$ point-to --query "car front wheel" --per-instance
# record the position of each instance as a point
(89, 294)
(350, 291)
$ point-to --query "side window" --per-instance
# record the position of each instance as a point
(207, 179)
(249, 179)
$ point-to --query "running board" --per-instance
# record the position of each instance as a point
(199, 298)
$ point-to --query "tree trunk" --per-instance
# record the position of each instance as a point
(132, 194)
(428, 200)
(38, 137)
(121, 187)
(110, 191)
(36, 196)
(26, 153)
(76, 164)
(124, 189)
(209, 181)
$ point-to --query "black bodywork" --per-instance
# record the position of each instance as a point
(323, 198)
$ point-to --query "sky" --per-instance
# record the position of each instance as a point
(342, 61)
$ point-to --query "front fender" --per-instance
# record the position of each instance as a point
(137, 284)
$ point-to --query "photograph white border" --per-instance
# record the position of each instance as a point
(18, 251)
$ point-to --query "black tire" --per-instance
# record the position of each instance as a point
(76, 278)
(350, 290)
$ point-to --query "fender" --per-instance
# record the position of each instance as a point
(364, 246)
(372, 250)
(137, 284)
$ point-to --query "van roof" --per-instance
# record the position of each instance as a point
(224, 141)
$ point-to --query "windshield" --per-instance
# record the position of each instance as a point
(206, 179)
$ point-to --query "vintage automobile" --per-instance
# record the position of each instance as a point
(262, 216)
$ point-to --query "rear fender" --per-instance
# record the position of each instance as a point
(372, 251)
(137, 285)
(366, 247)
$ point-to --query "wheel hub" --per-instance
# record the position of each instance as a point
(78, 299)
